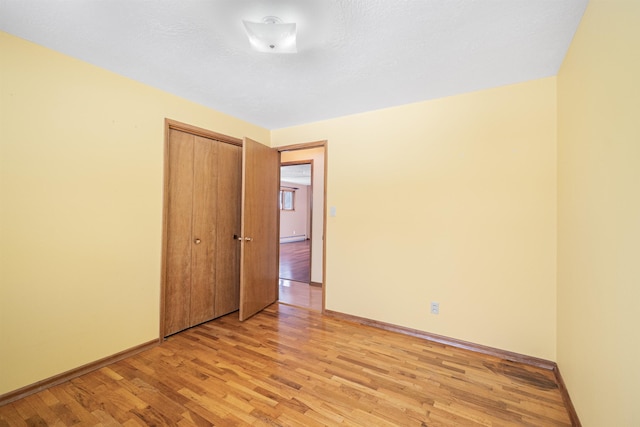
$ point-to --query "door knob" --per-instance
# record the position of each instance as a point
(236, 237)
(197, 241)
(248, 239)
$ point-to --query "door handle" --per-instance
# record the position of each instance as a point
(197, 241)
(248, 239)
(236, 237)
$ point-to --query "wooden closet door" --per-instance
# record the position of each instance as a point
(179, 222)
(202, 273)
(227, 292)
(204, 229)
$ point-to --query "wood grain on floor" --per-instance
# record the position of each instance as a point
(288, 366)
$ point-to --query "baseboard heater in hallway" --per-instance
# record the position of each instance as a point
(290, 239)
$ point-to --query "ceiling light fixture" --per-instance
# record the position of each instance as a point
(271, 35)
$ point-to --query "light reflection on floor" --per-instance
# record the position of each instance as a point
(300, 294)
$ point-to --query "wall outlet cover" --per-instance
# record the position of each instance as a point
(435, 308)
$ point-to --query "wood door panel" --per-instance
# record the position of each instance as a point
(204, 234)
(178, 252)
(259, 255)
(227, 297)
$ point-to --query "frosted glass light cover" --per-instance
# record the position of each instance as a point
(271, 37)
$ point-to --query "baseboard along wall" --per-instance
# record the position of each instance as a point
(476, 348)
(73, 373)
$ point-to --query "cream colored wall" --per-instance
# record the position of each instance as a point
(317, 219)
(599, 215)
(81, 179)
(454, 201)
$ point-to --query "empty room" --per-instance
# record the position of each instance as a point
(473, 222)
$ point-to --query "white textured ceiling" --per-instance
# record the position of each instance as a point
(296, 174)
(353, 55)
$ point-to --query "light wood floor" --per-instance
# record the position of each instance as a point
(300, 294)
(295, 261)
(288, 366)
(295, 275)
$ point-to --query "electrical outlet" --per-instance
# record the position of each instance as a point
(435, 307)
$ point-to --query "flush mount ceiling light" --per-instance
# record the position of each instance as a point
(271, 35)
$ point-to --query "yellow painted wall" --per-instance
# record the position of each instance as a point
(81, 179)
(451, 200)
(599, 215)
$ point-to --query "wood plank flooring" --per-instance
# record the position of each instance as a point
(300, 294)
(295, 261)
(288, 366)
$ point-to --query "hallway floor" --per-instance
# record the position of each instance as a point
(300, 294)
(295, 274)
(295, 261)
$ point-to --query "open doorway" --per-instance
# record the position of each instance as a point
(302, 227)
(295, 199)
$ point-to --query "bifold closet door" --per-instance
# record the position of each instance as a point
(203, 229)
(203, 215)
(179, 221)
(227, 291)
